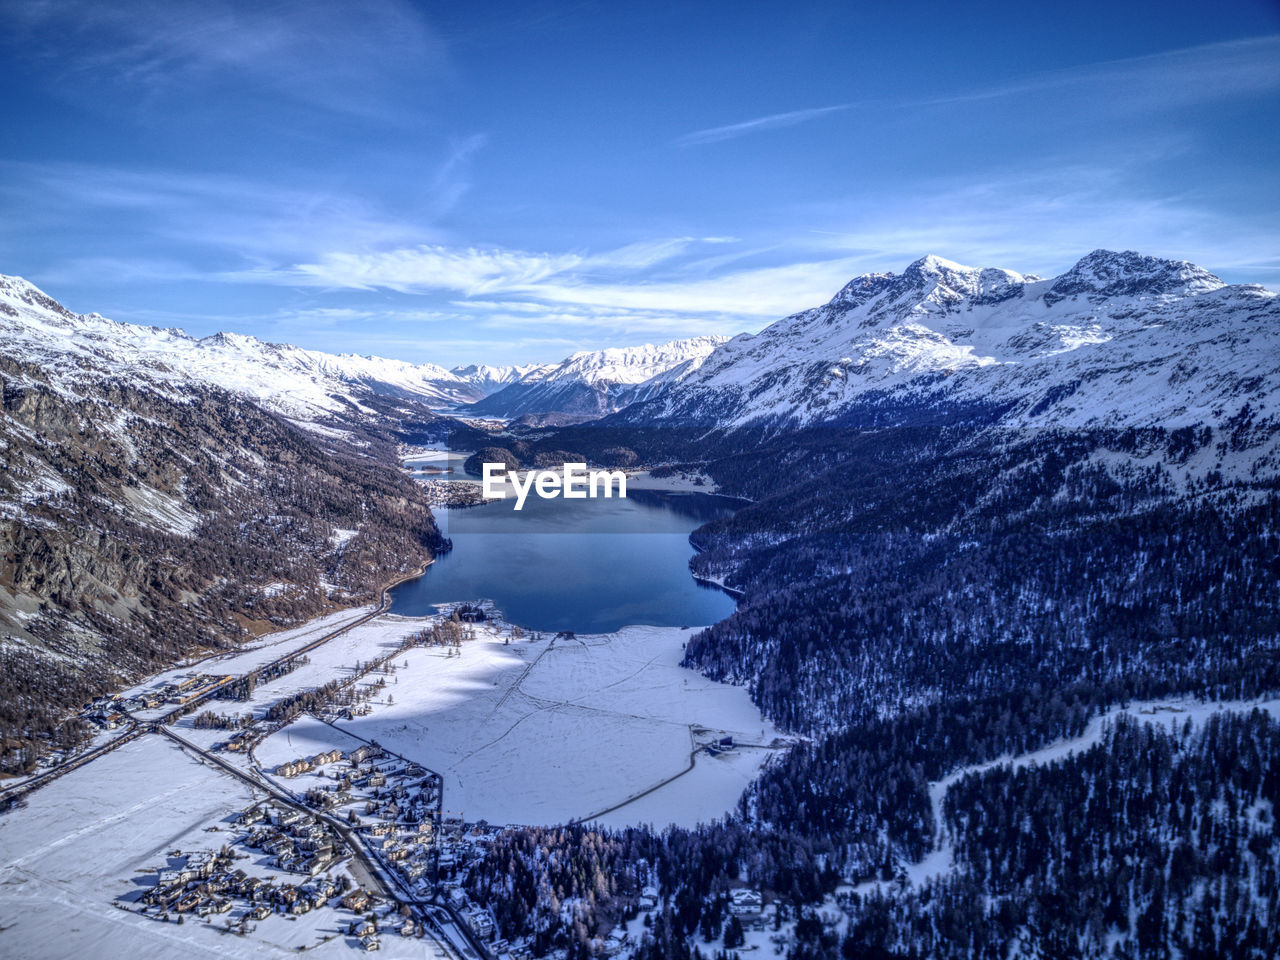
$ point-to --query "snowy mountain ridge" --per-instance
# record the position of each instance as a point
(1119, 339)
(632, 365)
(596, 382)
(295, 382)
(491, 378)
(309, 385)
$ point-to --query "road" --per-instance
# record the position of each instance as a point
(388, 884)
(136, 727)
(454, 936)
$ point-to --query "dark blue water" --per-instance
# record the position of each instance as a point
(590, 566)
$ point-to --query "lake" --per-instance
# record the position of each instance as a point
(588, 566)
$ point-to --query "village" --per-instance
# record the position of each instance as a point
(280, 863)
(363, 812)
(113, 712)
(346, 840)
(283, 862)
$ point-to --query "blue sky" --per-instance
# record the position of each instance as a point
(496, 182)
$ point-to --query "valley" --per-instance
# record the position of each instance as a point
(515, 724)
(980, 612)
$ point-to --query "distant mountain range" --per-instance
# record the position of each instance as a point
(489, 379)
(1119, 339)
(594, 383)
(311, 386)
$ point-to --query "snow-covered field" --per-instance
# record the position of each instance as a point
(645, 480)
(255, 653)
(538, 731)
(334, 660)
(556, 730)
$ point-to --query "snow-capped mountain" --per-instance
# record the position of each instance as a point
(305, 385)
(601, 381)
(490, 379)
(1120, 339)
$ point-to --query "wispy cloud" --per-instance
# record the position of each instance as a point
(328, 53)
(1167, 80)
(467, 270)
(605, 280)
(773, 121)
(236, 218)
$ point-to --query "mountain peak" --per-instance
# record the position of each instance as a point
(932, 265)
(1110, 273)
(26, 292)
(241, 341)
(932, 279)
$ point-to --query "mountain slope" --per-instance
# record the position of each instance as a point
(146, 513)
(1120, 339)
(594, 383)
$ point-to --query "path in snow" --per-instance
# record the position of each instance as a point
(940, 860)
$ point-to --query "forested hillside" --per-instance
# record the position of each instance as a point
(918, 599)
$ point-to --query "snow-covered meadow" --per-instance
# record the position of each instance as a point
(548, 731)
(254, 654)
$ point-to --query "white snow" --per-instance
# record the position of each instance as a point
(255, 653)
(1120, 339)
(303, 385)
(340, 537)
(162, 510)
(621, 375)
(678, 483)
(632, 365)
(550, 731)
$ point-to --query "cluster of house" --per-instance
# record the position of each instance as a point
(291, 768)
(477, 918)
(366, 928)
(105, 714)
(179, 691)
(242, 741)
(206, 885)
(367, 773)
(405, 846)
(296, 841)
(398, 800)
